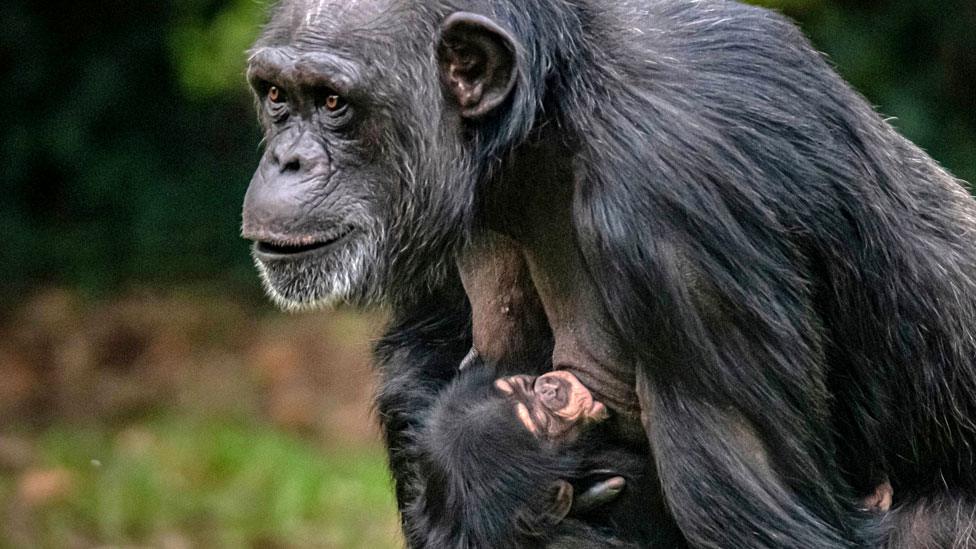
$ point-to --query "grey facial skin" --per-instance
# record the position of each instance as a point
(349, 172)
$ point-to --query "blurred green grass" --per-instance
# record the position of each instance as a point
(184, 482)
(177, 420)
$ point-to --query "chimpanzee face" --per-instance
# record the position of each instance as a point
(366, 181)
(311, 206)
(554, 406)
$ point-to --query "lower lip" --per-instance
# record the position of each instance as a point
(265, 254)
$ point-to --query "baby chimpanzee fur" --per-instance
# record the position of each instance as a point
(486, 481)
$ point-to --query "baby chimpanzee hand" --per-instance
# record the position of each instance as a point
(554, 406)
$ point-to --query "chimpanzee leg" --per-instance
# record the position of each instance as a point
(727, 486)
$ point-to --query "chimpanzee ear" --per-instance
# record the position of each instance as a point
(555, 508)
(562, 500)
(477, 62)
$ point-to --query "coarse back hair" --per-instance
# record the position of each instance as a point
(734, 197)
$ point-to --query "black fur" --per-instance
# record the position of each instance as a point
(487, 480)
(417, 359)
(793, 281)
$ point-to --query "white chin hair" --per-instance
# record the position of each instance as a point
(335, 281)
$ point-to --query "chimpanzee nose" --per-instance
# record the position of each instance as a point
(276, 203)
(303, 154)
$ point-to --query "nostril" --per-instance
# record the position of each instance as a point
(292, 166)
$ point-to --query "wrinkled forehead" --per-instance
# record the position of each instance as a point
(333, 23)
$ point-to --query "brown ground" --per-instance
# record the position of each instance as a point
(63, 357)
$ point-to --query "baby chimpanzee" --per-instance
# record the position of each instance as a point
(504, 458)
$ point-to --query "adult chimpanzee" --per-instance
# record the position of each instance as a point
(708, 213)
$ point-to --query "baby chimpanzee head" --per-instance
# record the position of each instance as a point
(502, 459)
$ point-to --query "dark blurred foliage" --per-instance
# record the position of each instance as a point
(128, 137)
(914, 59)
(114, 171)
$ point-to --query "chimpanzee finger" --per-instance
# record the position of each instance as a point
(600, 493)
(469, 359)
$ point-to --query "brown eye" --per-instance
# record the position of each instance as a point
(333, 102)
(274, 94)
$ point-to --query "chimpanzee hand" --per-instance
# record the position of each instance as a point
(880, 500)
(555, 406)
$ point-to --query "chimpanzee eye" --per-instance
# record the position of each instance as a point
(274, 94)
(334, 102)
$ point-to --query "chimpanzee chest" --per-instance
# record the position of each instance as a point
(531, 207)
(584, 340)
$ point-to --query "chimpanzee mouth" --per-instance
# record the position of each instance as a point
(286, 248)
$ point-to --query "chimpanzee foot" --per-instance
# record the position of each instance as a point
(563, 503)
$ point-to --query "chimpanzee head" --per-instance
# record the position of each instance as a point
(380, 116)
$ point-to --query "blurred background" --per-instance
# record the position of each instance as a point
(149, 396)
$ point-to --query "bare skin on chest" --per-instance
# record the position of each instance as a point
(530, 288)
(530, 291)
(517, 306)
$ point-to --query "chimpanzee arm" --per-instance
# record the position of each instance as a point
(417, 357)
(730, 387)
(729, 370)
